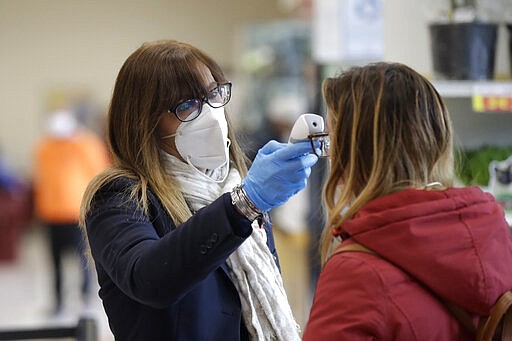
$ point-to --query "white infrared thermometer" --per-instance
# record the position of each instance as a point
(305, 126)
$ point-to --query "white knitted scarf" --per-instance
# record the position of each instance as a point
(265, 308)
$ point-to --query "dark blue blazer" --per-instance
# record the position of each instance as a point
(159, 282)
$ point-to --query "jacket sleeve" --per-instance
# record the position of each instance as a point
(348, 303)
(158, 271)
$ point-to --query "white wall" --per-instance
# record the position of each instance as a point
(70, 43)
(406, 35)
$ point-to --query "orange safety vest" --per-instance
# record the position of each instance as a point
(63, 169)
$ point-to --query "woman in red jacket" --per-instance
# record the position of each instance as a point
(391, 190)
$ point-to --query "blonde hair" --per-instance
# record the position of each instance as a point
(390, 130)
(153, 79)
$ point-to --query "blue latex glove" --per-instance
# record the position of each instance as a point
(278, 172)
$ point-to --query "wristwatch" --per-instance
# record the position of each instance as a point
(243, 204)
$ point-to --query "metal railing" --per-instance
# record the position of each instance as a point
(85, 330)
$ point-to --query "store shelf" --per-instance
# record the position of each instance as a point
(470, 88)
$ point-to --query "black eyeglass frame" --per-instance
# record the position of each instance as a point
(201, 101)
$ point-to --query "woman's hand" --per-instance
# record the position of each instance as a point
(278, 172)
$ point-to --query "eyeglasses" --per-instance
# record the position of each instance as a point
(323, 140)
(190, 109)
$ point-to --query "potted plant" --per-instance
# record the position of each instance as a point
(463, 35)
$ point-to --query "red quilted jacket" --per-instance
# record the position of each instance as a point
(455, 243)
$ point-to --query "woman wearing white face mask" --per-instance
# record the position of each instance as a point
(178, 227)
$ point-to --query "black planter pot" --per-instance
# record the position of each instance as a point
(463, 51)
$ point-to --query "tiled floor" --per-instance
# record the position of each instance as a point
(25, 286)
(25, 291)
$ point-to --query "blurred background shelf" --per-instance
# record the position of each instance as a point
(466, 89)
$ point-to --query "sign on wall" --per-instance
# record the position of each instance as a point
(347, 31)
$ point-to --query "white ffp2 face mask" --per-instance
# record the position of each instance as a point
(203, 142)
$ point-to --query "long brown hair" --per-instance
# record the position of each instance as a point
(153, 79)
(390, 130)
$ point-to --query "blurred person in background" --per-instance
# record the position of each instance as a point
(66, 159)
(178, 227)
(15, 210)
(9, 181)
(410, 241)
(292, 220)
